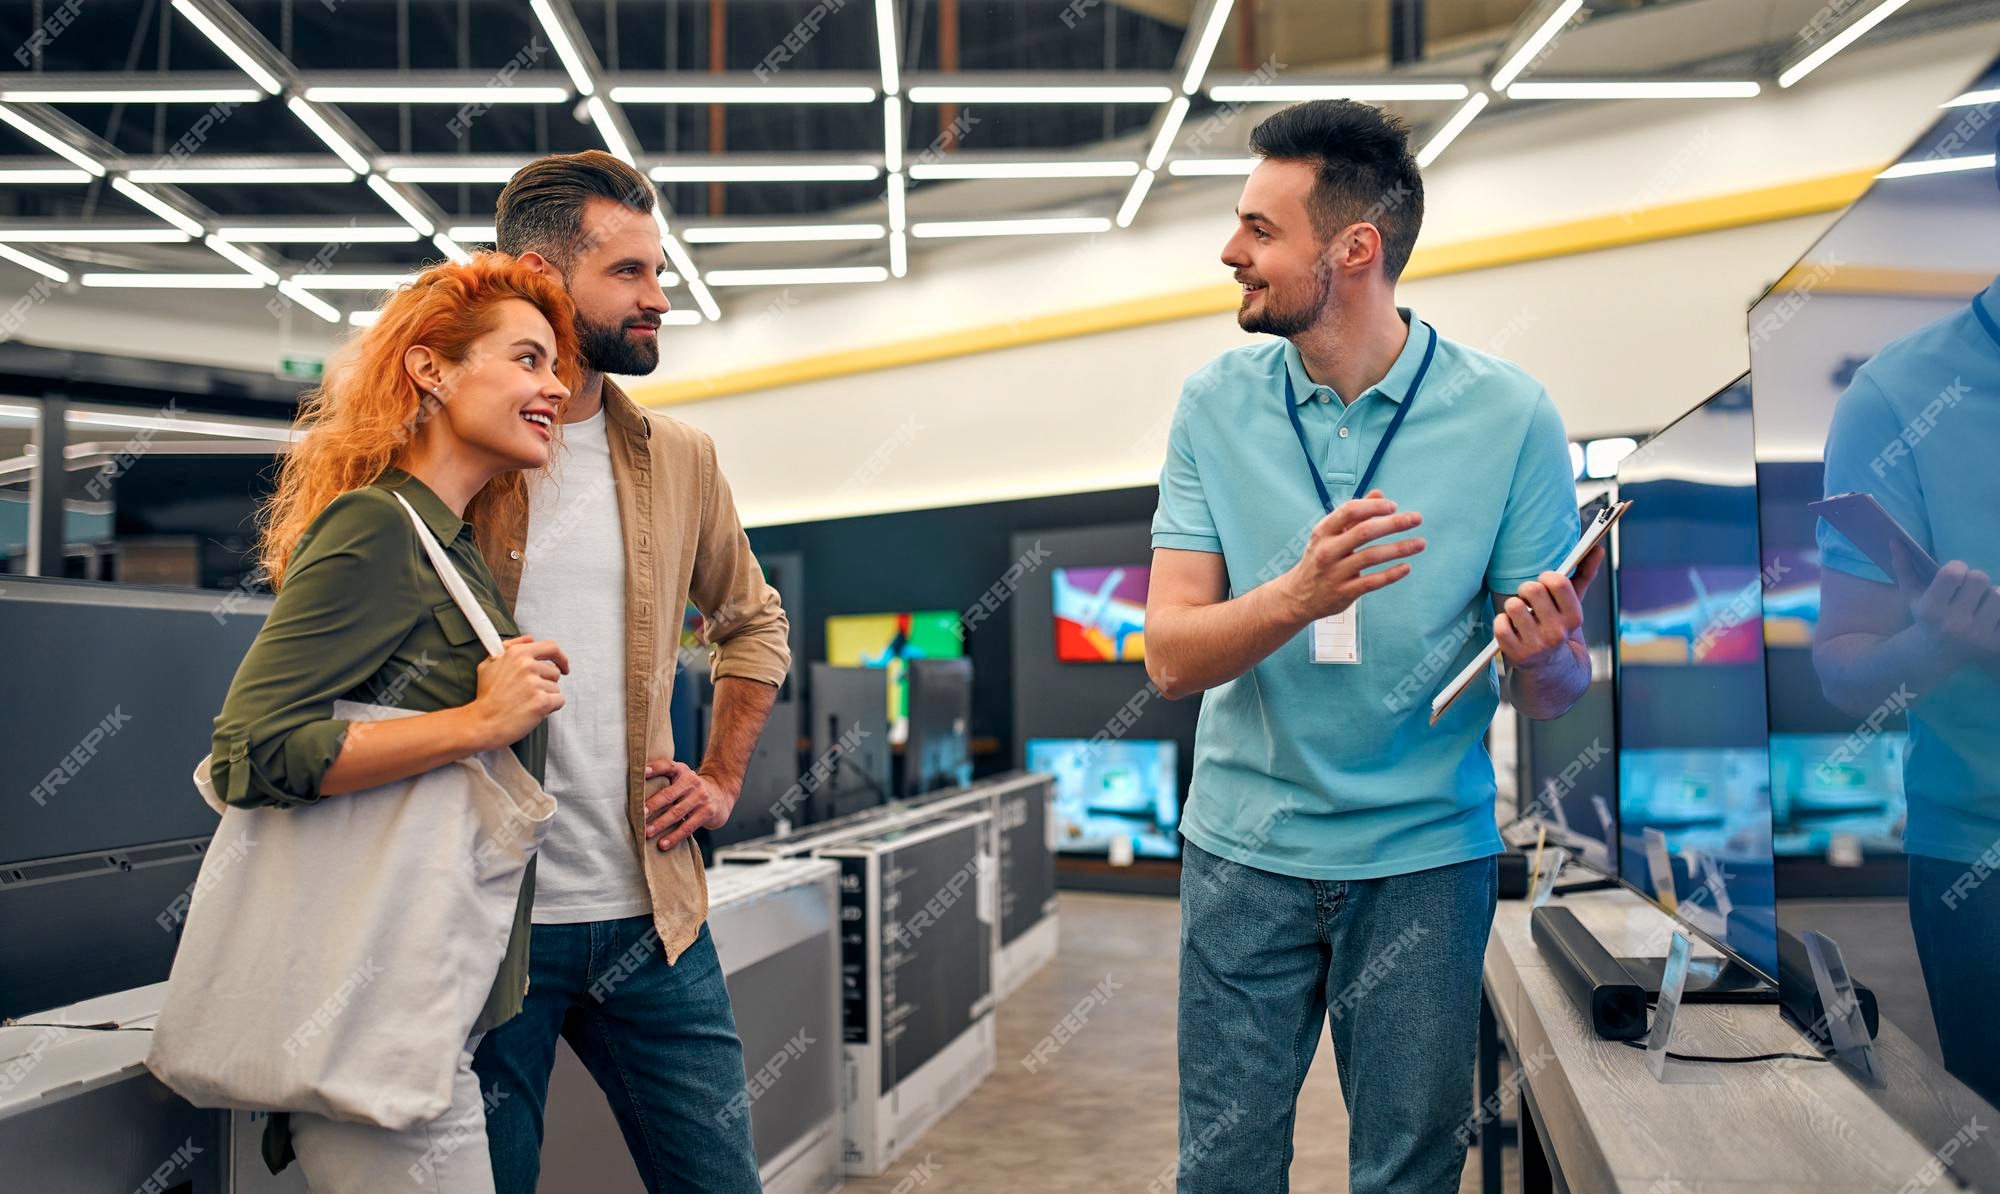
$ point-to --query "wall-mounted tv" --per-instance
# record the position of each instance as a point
(1100, 614)
(1112, 789)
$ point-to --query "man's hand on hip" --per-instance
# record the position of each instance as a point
(689, 801)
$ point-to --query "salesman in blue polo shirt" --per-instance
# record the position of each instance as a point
(1339, 505)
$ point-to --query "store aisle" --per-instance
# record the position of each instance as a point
(1098, 1114)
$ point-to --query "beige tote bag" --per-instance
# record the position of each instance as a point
(336, 955)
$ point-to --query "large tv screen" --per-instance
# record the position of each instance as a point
(890, 641)
(1100, 614)
(1112, 789)
(1692, 732)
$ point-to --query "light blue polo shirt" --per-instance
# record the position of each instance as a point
(1918, 428)
(1332, 771)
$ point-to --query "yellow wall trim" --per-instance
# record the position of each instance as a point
(1690, 218)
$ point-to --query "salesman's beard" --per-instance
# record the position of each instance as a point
(1274, 319)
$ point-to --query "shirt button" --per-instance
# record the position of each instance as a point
(1323, 400)
(1343, 433)
(515, 555)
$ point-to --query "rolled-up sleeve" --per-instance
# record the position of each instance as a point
(745, 622)
(345, 605)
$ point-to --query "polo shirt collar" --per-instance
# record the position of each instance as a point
(1394, 384)
(1988, 300)
(429, 506)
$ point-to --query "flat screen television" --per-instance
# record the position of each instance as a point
(1100, 613)
(937, 752)
(1112, 789)
(890, 641)
(1692, 731)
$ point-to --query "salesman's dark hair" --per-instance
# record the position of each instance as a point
(1366, 173)
(541, 208)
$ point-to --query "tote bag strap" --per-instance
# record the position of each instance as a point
(455, 584)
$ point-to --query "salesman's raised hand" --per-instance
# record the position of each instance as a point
(1330, 574)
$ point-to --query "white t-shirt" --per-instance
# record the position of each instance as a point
(573, 591)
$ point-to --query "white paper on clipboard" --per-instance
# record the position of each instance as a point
(1592, 536)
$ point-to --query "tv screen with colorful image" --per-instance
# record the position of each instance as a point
(888, 641)
(1108, 789)
(1100, 614)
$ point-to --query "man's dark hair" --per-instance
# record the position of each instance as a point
(1366, 173)
(541, 208)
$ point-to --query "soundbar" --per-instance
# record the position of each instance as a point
(1607, 996)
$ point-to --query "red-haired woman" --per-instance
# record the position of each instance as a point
(444, 400)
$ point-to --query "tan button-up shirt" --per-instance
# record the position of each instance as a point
(682, 543)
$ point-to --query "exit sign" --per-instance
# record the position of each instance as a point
(298, 368)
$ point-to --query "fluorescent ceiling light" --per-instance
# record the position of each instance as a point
(1204, 167)
(804, 172)
(135, 95)
(898, 205)
(1973, 99)
(962, 94)
(1204, 49)
(892, 133)
(242, 260)
(1169, 129)
(228, 45)
(49, 176)
(374, 234)
(743, 95)
(1838, 42)
(1919, 169)
(450, 173)
(54, 143)
(899, 254)
(1613, 89)
(1040, 226)
(1575, 460)
(1452, 128)
(351, 281)
(404, 208)
(717, 234)
(236, 428)
(1129, 210)
(566, 49)
(243, 175)
(405, 93)
(885, 45)
(49, 270)
(368, 319)
(94, 236)
(1536, 42)
(478, 234)
(798, 277)
(704, 299)
(451, 248)
(309, 301)
(1601, 456)
(607, 128)
(680, 318)
(327, 133)
(156, 205)
(676, 251)
(175, 281)
(1026, 169)
(1375, 92)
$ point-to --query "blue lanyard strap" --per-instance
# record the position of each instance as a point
(1395, 422)
(1978, 310)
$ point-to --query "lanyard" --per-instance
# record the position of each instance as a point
(1395, 422)
(1985, 321)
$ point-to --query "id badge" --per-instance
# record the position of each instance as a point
(1337, 639)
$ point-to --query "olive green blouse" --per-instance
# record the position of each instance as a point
(363, 616)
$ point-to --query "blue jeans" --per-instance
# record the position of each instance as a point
(1958, 945)
(1394, 964)
(660, 1040)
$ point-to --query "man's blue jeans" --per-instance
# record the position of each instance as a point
(1394, 964)
(660, 1040)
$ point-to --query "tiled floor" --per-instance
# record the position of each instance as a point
(1099, 1115)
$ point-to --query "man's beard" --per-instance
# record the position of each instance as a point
(1277, 321)
(606, 349)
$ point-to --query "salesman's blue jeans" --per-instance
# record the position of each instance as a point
(660, 1040)
(1394, 965)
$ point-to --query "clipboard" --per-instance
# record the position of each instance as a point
(1593, 535)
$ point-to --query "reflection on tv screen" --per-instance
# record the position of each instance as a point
(1107, 790)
